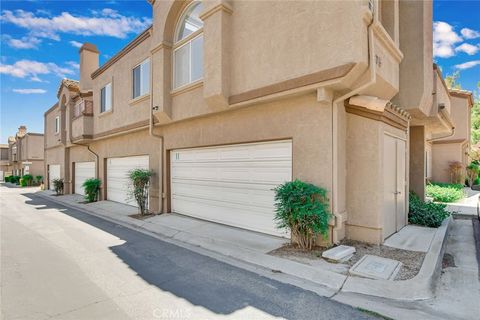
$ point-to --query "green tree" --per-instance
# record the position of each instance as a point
(476, 117)
(452, 80)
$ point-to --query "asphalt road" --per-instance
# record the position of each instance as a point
(59, 263)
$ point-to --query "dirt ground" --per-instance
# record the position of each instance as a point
(411, 260)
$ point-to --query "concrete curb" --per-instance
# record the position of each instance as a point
(420, 287)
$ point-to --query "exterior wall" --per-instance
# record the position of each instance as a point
(54, 156)
(125, 111)
(34, 147)
(52, 139)
(417, 160)
(443, 154)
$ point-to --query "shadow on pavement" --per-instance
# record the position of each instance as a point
(204, 281)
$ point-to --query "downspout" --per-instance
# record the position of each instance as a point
(443, 137)
(153, 134)
(371, 68)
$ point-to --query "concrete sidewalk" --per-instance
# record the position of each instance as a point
(252, 248)
(466, 206)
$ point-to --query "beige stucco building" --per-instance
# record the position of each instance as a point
(25, 153)
(224, 100)
(454, 147)
(5, 169)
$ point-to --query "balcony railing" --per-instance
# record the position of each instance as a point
(84, 107)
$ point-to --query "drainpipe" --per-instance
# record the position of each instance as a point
(153, 134)
(443, 137)
(371, 68)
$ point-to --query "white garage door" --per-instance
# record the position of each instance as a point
(53, 173)
(118, 184)
(231, 184)
(83, 171)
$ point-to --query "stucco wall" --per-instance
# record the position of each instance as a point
(443, 154)
(51, 138)
(35, 146)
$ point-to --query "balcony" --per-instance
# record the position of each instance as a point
(82, 123)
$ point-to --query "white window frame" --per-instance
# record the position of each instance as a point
(107, 109)
(180, 44)
(57, 124)
(149, 76)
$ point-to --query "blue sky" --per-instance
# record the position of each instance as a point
(39, 46)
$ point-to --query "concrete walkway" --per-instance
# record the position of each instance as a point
(246, 247)
(466, 206)
(412, 238)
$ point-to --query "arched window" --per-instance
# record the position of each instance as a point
(188, 47)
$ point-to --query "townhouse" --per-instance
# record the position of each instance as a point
(4, 162)
(453, 147)
(224, 100)
(25, 153)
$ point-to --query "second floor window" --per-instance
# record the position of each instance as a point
(141, 79)
(57, 124)
(188, 47)
(106, 98)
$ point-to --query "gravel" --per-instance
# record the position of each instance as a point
(411, 260)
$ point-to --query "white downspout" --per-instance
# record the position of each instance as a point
(373, 78)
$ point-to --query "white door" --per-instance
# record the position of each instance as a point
(231, 184)
(118, 183)
(83, 171)
(1, 175)
(394, 209)
(53, 173)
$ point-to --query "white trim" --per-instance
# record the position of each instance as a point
(189, 43)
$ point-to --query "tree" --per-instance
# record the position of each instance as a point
(452, 80)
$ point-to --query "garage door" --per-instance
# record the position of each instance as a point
(118, 184)
(83, 171)
(231, 184)
(53, 173)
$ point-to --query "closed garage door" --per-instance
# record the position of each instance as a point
(118, 184)
(231, 184)
(83, 171)
(53, 173)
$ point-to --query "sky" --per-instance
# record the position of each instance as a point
(39, 42)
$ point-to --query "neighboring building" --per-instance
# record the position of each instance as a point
(25, 153)
(454, 147)
(4, 162)
(224, 100)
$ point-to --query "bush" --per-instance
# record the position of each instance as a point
(28, 178)
(303, 209)
(444, 192)
(39, 179)
(140, 179)
(58, 186)
(6, 179)
(428, 214)
(23, 182)
(472, 173)
(91, 188)
(15, 179)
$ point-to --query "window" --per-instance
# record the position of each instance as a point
(141, 79)
(188, 51)
(57, 124)
(106, 98)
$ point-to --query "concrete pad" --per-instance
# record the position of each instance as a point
(339, 254)
(176, 222)
(412, 238)
(376, 267)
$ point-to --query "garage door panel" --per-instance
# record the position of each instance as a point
(231, 184)
(118, 183)
(83, 171)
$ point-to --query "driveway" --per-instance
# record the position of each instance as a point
(59, 263)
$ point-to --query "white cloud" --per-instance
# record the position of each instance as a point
(109, 23)
(23, 43)
(467, 65)
(29, 91)
(73, 64)
(32, 69)
(444, 39)
(469, 33)
(76, 44)
(467, 48)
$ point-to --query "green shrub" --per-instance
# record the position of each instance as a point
(58, 186)
(91, 188)
(428, 214)
(303, 209)
(28, 178)
(39, 179)
(23, 182)
(6, 179)
(444, 192)
(15, 179)
(140, 179)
